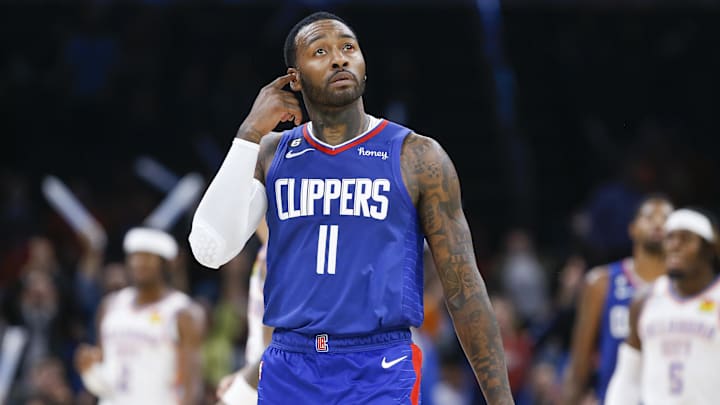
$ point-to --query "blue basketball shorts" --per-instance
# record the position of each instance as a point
(377, 369)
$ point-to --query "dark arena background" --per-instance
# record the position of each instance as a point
(559, 116)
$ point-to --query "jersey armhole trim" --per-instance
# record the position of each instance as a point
(396, 151)
(270, 176)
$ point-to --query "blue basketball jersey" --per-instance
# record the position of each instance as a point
(345, 247)
(615, 321)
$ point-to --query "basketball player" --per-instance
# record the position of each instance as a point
(149, 334)
(238, 388)
(348, 198)
(673, 351)
(602, 320)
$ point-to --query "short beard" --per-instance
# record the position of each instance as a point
(142, 284)
(652, 247)
(324, 96)
(676, 274)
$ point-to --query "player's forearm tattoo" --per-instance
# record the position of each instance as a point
(433, 183)
(249, 134)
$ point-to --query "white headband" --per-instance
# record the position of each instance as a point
(150, 241)
(689, 220)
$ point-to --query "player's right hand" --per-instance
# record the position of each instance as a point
(272, 106)
(87, 355)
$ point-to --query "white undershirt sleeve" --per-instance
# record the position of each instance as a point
(231, 208)
(624, 387)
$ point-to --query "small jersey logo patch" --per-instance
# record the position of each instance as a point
(155, 317)
(707, 305)
(321, 343)
(291, 154)
(387, 364)
(372, 153)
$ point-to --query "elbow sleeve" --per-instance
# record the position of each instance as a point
(231, 208)
(624, 388)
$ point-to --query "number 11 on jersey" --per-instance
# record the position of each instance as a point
(328, 245)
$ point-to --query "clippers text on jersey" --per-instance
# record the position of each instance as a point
(360, 197)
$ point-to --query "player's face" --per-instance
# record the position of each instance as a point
(647, 228)
(330, 66)
(682, 254)
(145, 268)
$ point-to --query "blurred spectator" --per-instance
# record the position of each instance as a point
(223, 349)
(47, 385)
(516, 342)
(554, 336)
(523, 278)
(39, 313)
(544, 384)
(41, 257)
(454, 385)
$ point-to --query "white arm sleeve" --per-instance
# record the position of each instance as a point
(96, 382)
(624, 387)
(231, 208)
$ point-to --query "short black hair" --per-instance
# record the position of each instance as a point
(651, 197)
(290, 48)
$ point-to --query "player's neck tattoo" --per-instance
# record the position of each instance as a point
(336, 127)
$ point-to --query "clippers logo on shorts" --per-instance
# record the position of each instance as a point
(321, 343)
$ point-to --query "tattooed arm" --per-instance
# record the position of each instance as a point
(432, 182)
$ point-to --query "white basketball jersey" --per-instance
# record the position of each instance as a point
(255, 345)
(680, 346)
(140, 348)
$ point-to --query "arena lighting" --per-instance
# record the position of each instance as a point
(180, 198)
(185, 193)
(73, 211)
(155, 173)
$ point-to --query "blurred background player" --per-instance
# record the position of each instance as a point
(602, 320)
(149, 334)
(673, 351)
(238, 388)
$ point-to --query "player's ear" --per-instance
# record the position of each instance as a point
(295, 80)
